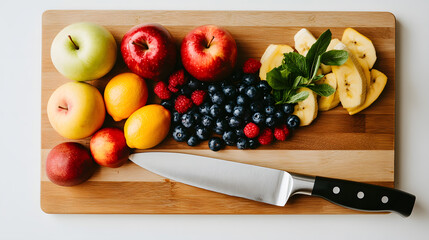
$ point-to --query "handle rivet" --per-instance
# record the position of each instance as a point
(360, 195)
(384, 199)
(336, 190)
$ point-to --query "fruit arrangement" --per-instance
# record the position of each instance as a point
(204, 95)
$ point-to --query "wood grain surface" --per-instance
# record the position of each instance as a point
(359, 147)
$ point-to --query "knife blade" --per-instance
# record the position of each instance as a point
(271, 186)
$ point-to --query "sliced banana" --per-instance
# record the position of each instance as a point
(351, 80)
(272, 58)
(306, 110)
(303, 41)
(376, 85)
(360, 45)
(327, 103)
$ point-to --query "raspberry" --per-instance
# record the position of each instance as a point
(251, 66)
(251, 130)
(266, 137)
(279, 134)
(176, 79)
(198, 97)
(182, 104)
(161, 90)
(285, 130)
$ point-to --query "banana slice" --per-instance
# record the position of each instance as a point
(306, 110)
(272, 57)
(303, 41)
(351, 80)
(327, 103)
(360, 45)
(376, 85)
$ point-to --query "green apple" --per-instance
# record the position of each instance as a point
(76, 110)
(83, 51)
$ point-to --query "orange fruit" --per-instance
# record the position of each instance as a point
(124, 94)
(147, 127)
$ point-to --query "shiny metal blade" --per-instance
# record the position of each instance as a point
(236, 179)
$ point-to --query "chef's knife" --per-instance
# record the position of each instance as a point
(269, 185)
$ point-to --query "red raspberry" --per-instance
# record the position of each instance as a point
(279, 134)
(182, 104)
(177, 79)
(161, 90)
(198, 97)
(266, 137)
(251, 130)
(286, 130)
(251, 66)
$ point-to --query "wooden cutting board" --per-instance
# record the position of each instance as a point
(359, 147)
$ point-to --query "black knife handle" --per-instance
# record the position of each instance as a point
(362, 196)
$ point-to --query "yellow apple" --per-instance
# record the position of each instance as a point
(76, 110)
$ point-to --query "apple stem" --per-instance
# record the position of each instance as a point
(64, 108)
(144, 46)
(208, 44)
(75, 46)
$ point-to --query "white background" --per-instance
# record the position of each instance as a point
(20, 71)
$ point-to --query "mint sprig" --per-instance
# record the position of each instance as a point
(297, 71)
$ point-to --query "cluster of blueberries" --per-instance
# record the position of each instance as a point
(229, 106)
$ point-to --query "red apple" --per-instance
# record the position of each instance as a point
(149, 51)
(209, 53)
(109, 148)
(69, 164)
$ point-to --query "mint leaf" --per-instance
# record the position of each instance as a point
(278, 95)
(318, 77)
(324, 90)
(300, 80)
(316, 67)
(276, 79)
(334, 57)
(295, 62)
(298, 97)
(317, 49)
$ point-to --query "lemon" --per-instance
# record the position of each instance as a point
(124, 94)
(147, 126)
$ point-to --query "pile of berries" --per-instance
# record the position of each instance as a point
(240, 110)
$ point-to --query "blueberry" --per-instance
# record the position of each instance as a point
(194, 84)
(250, 79)
(193, 140)
(216, 144)
(241, 99)
(229, 137)
(242, 143)
(256, 107)
(218, 98)
(264, 87)
(292, 122)
(168, 104)
(238, 111)
(206, 121)
(221, 124)
(202, 133)
(177, 117)
(219, 131)
(216, 111)
(234, 122)
(269, 99)
(212, 88)
(236, 76)
(180, 134)
(253, 143)
(196, 116)
(269, 110)
(185, 90)
(230, 91)
(270, 121)
(241, 88)
(279, 116)
(229, 107)
(239, 132)
(247, 116)
(288, 108)
(258, 118)
(187, 120)
(205, 108)
(251, 92)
